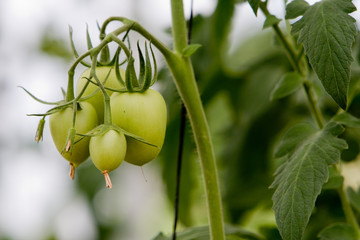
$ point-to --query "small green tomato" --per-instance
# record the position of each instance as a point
(60, 124)
(107, 151)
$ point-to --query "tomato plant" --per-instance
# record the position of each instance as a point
(143, 114)
(60, 124)
(258, 91)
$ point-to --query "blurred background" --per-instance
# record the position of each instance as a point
(37, 198)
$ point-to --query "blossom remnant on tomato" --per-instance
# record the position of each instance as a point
(60, 124)
(107, 152)
(143, 114)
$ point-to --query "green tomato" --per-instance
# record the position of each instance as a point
(107, 151)
(61, 123)
(143, 114)
(97, 100)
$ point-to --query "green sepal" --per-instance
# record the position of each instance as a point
(131, 81)
(117, 71)
(40, 130)
(38, 99)
(155, 67)
(190, 49)
(103, 128)
(88, 39)
(142, 65)
(70, 141)
(86, 64)
(148, 71)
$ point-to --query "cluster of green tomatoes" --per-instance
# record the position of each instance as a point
(108, 119)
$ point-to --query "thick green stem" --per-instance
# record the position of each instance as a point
(182, 71)
(178, 25)
(183, 74)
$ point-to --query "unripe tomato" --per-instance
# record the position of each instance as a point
(97, 100)
(60, 124)
(108, 150)
(143, 114)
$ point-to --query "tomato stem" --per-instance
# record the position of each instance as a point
(107, 109)
(107, 179)
(183, 73)
(294, 60)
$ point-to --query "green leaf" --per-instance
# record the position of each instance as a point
(287, 85)
(270, 21)
(254, 4)
(335, 181)
(296, 8)
(347, 119)
(190, 49)
(299, 180)
(327, 33)
(202, 233)
(338, 231)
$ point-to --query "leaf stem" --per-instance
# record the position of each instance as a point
(349, 214)
(295, 62)
(313, 104)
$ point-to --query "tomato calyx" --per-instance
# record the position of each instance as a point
(103, 128)
(146, 78)
(40, 130)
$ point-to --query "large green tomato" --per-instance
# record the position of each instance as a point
(61, 123)
(98, 99)
(108, 150)
(143, 114)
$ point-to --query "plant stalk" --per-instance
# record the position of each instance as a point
(349, 214)
(294, 60)
(182, 71)
(185, 82)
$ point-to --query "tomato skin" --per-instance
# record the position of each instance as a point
(145, 115)
(60, 123)
(98, 99)
(108, 150)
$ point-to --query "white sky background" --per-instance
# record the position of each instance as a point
(37, 197)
